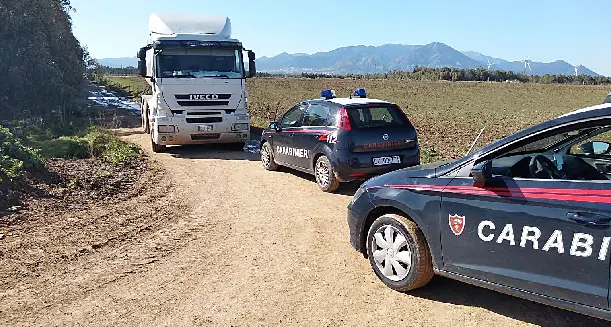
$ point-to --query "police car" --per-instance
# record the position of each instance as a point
(341, 139)
(528, 215)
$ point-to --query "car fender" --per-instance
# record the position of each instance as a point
(324, 150)
(423, 209)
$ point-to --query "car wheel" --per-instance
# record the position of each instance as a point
(267, 157)
(157, 147)
(398, 253)
(325, 175)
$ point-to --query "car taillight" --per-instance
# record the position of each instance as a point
(343, 122)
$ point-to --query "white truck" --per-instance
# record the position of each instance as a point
(197, 77)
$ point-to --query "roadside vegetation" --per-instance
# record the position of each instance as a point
(43, 109)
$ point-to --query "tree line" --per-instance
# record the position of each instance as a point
(462, 75)
(42, 63)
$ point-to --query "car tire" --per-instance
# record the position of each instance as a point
(325, 175)
(387, 259)
(267, 157)
(145, 118)
(157, 148)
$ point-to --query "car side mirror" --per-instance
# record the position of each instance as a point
(595, 147)
(481, 173)
(275, 126)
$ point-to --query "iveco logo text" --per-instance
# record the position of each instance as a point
(204, 96)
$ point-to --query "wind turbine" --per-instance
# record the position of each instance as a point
(576, 68)
(527, 64)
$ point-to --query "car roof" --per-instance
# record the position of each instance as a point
(355, 101)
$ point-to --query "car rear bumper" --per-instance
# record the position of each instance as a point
(350, 166)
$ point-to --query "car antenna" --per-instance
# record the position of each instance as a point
(475, 141)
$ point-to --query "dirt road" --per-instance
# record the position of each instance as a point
(259, 248)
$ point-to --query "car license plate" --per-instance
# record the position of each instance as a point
(205, 128)
(381, 161)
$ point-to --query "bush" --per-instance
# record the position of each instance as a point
(104, 144)
(15, 158)
(67, 147)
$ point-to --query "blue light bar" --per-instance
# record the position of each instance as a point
(360, 93)
(327, 94)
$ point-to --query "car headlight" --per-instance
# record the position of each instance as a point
(240, 127)
(165, 128)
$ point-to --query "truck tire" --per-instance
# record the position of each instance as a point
(399, 253)
(157, 148)
(267, 157)
(144, 114)
(325, 175)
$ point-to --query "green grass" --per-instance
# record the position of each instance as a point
(447, 115)
(129, 86)
(98, 142)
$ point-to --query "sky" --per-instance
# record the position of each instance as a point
(548, 30)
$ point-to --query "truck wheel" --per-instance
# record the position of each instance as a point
(398, 253)
(145, 117)
(157, 147)
(325, 175)
(267, 157)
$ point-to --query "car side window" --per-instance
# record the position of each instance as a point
(578, 154)
(293, 117)
(316, 115)
(596, 146)
(332, 117)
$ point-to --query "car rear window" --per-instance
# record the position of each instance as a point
(376, 116)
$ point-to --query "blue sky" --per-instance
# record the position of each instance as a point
(575, 31)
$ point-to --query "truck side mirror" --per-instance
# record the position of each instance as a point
(252, 70)
(481, 173)
(142, 68)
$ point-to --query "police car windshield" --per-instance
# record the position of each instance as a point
(553, 142)
(376, 116)
(200, 63)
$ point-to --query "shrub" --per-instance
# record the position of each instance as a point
(15, 158)
(67, 147)
(104, 144)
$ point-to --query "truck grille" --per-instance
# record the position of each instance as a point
(204, 120)
(188, 96)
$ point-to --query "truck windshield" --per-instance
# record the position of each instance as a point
(200, 63)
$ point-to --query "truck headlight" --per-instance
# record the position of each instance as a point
(242, 117)
(165, 128)
(239, 127)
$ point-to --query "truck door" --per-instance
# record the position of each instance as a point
(284, 139)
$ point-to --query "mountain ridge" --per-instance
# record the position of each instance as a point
(363, 59)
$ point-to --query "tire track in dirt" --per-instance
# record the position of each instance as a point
(267, 249)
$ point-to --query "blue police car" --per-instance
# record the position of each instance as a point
(528, 215)
(341, 139)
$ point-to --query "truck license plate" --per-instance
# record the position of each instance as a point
(381, 161)
(205, 128)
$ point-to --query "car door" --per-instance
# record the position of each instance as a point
(546, 236)
(283, 139)
(314, 125)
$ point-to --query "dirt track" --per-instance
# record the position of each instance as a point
(257, 248)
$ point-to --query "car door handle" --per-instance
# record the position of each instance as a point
(586, 218)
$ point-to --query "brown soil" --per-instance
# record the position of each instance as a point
(215, 240)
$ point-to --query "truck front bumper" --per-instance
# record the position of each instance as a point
(196, 133)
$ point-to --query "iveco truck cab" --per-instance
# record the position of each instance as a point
(197, 76)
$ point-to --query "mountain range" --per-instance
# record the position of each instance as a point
(379, 59)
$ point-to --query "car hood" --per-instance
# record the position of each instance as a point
(421, 171)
